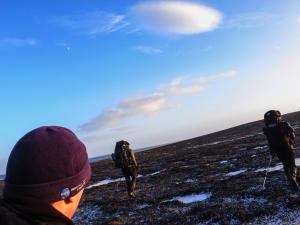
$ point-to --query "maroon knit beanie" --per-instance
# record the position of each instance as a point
(49, 164)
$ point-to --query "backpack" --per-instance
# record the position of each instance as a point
(122, 155)
(280, 136)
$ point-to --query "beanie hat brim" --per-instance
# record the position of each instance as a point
(52, 191)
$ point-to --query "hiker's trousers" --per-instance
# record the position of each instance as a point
(130, 174)
(287, 157)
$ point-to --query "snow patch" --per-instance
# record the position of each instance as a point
(191, 198)
(277, 167)
(271, 169)
(260, 147)
(104, 182)
(236, 172)
(142, 206)
(189, 181)
(109, 180)
(224, 161)
(155, 173)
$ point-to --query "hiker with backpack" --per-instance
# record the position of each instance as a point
(124, 159)
(281, 139)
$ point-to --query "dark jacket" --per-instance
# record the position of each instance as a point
(281, 137)
(30, 212)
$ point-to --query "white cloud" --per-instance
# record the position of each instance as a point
(18, 42)
(148, 50)
(152, 104)
(133, 106)
(202, 80)
(182, 86)
(144, 104)
(175, 17)
(92, 23)
(251, 20)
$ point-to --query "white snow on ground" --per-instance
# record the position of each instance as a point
(260, 147)
(278, 166)
(236, 172)
(189, 181)
(271, 169)
(109, 180)
(106, 181)
(142, 206)
(225, 161)
(155, 173)
(191, 198)
(253, 156)
(260, 170)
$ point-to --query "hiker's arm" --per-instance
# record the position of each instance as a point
(292, 133)
(133, 158)
(265, 130)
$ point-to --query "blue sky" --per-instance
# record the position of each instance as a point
(150, 72)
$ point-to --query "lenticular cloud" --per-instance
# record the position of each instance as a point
(175, 17)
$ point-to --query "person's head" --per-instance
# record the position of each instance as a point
(272, 116)
(49, 164)
(122, 144)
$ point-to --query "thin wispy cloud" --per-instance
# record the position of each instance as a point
(18, 42)
(150, 105)
(130, 107)
(92, 23)
(298, 20)
(203, 80)
(175, 17)
(251, 20)
(149, 50)
(182, 86)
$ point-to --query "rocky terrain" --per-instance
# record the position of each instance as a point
(213, 179)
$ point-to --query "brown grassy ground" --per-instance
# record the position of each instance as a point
(198, 165)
